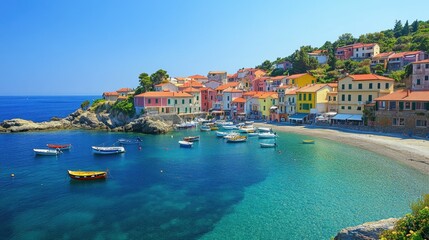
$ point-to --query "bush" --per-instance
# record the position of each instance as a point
(126, 106)
(413, 226)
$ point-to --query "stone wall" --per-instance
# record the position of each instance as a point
(384, 122)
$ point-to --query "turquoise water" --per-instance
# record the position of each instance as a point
(215, 190)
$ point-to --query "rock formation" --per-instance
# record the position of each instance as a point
(366, 231)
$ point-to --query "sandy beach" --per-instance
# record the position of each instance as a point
(410, 151)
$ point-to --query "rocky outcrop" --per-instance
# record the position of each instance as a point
(21, 125)
(149, 125)
(366, 231)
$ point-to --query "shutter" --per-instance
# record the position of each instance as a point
(427, 105)
(401, 105)
(413, 106)
(376, 106)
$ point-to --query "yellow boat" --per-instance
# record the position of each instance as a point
(87, 175)
(308, 141)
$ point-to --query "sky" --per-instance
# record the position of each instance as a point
(87, 47)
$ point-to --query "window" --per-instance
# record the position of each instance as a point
(378, 85)
(168, 101)
(190, 100)
(183, 101)
(360, 98)
(343, 86)
(162, 109)
(342, 107)
(264, 108)
(370, 86)
(156, 100)
(426, 65)
(349, 107)
(198, 98)
(300, 97)
(305, 97)
(350, 86)
(329, 98)
(398, 122)
(418, 66)
(335, 98)
(369, 98)
(392, 105)
(426, 77)
(387, 86)
(407, 105)
(343, 97)
(309, 97)
(227, 98)
(358, 108)
(418, 82)
(305, 106)
(382, 105)
(148, 101)
(349, 98)
(175, 101)
(360, 86)
(421, 123)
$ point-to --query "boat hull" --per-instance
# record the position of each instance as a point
(46, 152)
(268, 145)
(108, 150)
(185, 144)
(59, 146)
(87, 175)
(308, 141)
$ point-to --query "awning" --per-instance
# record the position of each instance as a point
(330, 113)
(341, 116)
(298, 116)
(355, 117)
(273, 107)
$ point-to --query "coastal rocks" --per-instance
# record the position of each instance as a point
(366, 231)
(21, 125)
(149, 125)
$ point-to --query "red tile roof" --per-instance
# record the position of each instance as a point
(292, 92)
(192, 83)
(251, 93)
(232, 90)
(190, 90)
(110, 94)
(125, 90)
(402, 54)
(197, 77)
(227, 85)
(294, 76)
(312, 87)
(164, 94)
(239, 100)
(406, 95)
(422, 61)
(383, 55)
(368, 77)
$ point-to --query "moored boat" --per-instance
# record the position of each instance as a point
(107, 150)
(46, 152)
(59, 146)
(191, 138)
(125, 141)
(252, 134)
(221, 134)
(231, 135)
(185, 144)
(229, 127)
(268, 145)
(205, 128)
(309, 141)
(264, 129)
(265, 135)
(87, 175)
(237, 139)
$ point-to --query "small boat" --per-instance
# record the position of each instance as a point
(252, 134)
(264, 129)
(249, 122)
(267, 135)
(268, 145)
(205, 128)
(308, 141)
(229, 127)
(47, 152)
(221, 134)
(190, 124)
(231, 135)
(214, 128)
(107, 150)
(125, 141)
(237, 139)
(59, 146)
(191, 138)
(247, 129)
(185, 144)
(87, 175)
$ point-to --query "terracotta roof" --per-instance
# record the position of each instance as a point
(232, 90)
(251, 93)
(402, 54)
(312, 87)
(217, 72)
(333, 85)
(125, 90)
(367, 77)
(197, 77)
(291, 92)
(227, 85)
(262, 95)
(235, 75)
(383, 55)
(239, 100)
(164, 94)
(110, 94)
(285, 86)
(190, 89)
(422, 61)
(294, 76)
(406, 95)
(318, 52)
(192, 83)
(278, 77)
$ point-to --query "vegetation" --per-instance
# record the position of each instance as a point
(126, 106)
(147, 83)
(414, 225)
(84, 105)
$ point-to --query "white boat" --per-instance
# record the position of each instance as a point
(185, 144)
(46, 152)
(268, 145)
(267, 135)
(253, 134)
(264, 129)
(125, 141)
(221, 134)
(229, 127)
(249, 122)
(205, 128)
(247, 129)
(231, 135)
(237, 139)
(107, 150)
(190, 124)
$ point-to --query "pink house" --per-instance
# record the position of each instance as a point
(238, 105)
(163, 102)
(208, 97)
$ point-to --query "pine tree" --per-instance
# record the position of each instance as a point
(406, 29)
(398, 28)
(414, 26)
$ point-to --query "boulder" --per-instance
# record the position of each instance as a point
(366, 231)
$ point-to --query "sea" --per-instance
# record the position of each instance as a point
(214, 190)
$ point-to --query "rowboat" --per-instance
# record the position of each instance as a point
(229, 127)
(231, 135)
(247, 129)
(221, 134)
(47, 152)
(185, 144)
(125, 141)
(265, 135)
(107, 150)
(268, 145)
(264, 129)
(191, 138)
(308, 141)
(252, 134)
(59, 146)
(205, 128)
(87, 175)
(237, 139)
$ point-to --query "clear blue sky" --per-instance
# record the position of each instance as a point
(85, 47)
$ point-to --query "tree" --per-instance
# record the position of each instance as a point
(406, 29)
(414, 26)
(85, 105)
(145, 83)
(302, 62)
(397, 75)
(277, 72)
(266, 66)
(345, 39)
(159, 76)
(398, 28)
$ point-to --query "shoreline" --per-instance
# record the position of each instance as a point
(409, 151)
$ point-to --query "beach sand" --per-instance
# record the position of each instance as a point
(410, 151)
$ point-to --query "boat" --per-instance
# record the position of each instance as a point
(221, 134)
(252, 134)
(87, 175)
(125, 141)
(214, 128)
(185, 144)
(107, 150)
(205, 128)
(268, 145)
(191, 138)
(264, 129)
(308, 141)
(247, 129)
(237, 139)
(265, 135)
(231, 135)
(190, 124)
(249, 122)
(47, 152)
(59, 146)
(229, 127)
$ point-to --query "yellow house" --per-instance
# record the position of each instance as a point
(313, 98)
(266, 100)
(355, 91)
(300, 80)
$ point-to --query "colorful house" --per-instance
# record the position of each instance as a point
(380, 59)
(268, 103)
(190, 84)
(313, 98)
(357, 51)
(320, 55)
(110, 96)
(246, 77)
(163, 102)
(228, 95)
(399, 60)
(218, 76)
(300, 80)
(420, 76)
(166, 87)
(195, 105)
(218, 105)
(238, 108)
(333, 98)
(208, 98)
(199, 78)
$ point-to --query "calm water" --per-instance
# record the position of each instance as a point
(40, 108)
(215, 190)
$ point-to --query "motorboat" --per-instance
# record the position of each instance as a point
(46, 152)
(107, 150)
(59, 146)
(185, 144)
(87, 175)
(265, 135)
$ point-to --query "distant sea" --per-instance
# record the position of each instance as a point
(40, 108)
(214, 190)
